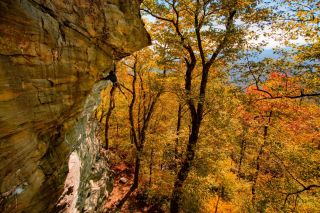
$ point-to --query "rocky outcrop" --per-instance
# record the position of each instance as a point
(52, 55)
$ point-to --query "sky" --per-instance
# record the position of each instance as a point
(271, 42)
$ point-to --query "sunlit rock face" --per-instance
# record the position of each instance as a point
(52, 54)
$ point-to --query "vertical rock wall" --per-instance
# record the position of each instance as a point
(52, 53)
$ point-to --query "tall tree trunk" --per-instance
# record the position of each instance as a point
(242, 153)
(138, 133)
(258, 166)
(185, 167)
(191, 61)
(151, 166)
(196, 119)
(108, 115)
(134, 139)
(176, 147)
(137, 168)
(258, 160)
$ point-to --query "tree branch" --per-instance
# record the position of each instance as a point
(229, 24)
(302, 95)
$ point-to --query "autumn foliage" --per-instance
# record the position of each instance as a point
(198, 138)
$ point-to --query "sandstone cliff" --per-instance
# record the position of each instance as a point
(52, 53)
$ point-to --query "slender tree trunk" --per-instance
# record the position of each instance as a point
(138, 133)
(258, 166)
(133, 136)
(242, 153)
(176, 147)
(258, 161)
(217, 205)
(151, 166)
(117, 125)
(134, 139)
(108, 115)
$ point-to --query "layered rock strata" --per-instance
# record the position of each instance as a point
(52, 54)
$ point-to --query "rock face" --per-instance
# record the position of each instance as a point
(52, 53)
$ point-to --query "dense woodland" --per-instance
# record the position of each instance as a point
(204, 123)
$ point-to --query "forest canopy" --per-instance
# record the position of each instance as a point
(201, 122)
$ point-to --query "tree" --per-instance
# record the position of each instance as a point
(144, 98)
(279, 126)
(210, 143)
(195, 29)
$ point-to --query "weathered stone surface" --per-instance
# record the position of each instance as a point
(52, 52)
